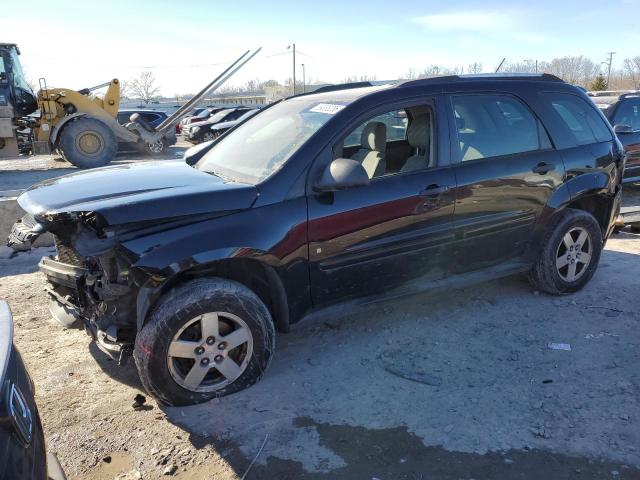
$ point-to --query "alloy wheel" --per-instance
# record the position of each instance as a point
(574, 254)
(156, 147)
(210, 351)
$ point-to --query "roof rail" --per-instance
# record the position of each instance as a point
(482, 76)
(347, 86)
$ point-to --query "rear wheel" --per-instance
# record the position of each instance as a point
(88, 143)
(206, 339)
(570, 256)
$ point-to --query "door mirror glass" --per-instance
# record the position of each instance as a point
(618, 129)
(342, 173)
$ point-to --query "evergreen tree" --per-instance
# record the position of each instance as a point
(599, 83)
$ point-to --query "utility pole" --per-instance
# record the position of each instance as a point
(293, 47)
(304, 79)
(611, 54)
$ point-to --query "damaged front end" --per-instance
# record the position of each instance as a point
(88, 277)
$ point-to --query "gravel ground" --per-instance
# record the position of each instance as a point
(461, 385)
(454, 385)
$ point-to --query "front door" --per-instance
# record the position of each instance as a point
(394, 231)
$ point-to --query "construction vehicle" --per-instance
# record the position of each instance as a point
(78, 124)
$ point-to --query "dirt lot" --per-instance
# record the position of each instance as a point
(448, 385)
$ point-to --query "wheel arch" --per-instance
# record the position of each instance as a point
(260, 278)
(55, 131)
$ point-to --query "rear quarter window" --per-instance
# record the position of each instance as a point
(580, 118)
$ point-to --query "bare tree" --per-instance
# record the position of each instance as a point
(632, 70)
(125, 89)
(474, 68)
(144, 87)
(360, 78)
(577, 70)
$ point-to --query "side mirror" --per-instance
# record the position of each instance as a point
(621, 129)
(340, 174)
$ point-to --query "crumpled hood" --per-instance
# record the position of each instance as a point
(138, 192)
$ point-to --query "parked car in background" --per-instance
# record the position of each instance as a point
(199, 115)
(194, 268)
(199, 132)
(22, 447)
(220, 128)
(153, 118)
(622, 109)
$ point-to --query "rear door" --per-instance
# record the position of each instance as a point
(394, 231)
(505, 169)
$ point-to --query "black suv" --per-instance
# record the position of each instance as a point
(22, 447)
(623, 112)
(324, 198)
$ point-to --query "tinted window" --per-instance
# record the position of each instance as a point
(494, 125)
(628, 113)
(150, 117)
(582, 120)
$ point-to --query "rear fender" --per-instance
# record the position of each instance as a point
(577, 188)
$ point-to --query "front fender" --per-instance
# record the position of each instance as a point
(274, 235)
(55, 131)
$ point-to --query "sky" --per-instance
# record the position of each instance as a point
(187, 43)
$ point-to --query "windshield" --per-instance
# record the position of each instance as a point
(262, 145)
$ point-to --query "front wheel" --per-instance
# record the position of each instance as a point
(87, 143)
(207, 338)
(569, 257)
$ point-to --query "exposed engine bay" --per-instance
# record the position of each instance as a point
(89, 281)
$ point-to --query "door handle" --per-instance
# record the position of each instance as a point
(543, 168)
(434, 190)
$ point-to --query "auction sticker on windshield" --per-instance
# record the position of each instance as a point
(328, 108)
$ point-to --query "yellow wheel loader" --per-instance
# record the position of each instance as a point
(81, 126)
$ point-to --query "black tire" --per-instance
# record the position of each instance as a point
(88, 143)
(545, 274)
(181, 306)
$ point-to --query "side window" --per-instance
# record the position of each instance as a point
(495, 125)
(581, 118)
(395, 122)
(628, 113)
(3, 71)
(397, 141)
(123, 117)
(150, 117)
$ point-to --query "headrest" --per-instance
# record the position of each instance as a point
(374, 136)
(419, 132)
